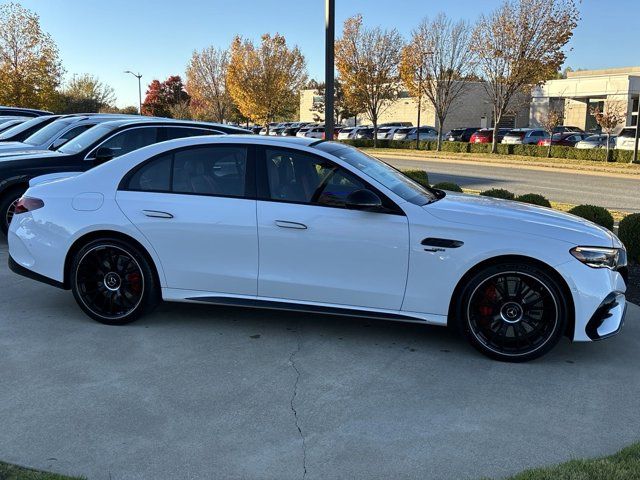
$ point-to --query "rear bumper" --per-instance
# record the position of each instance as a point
(15, 267)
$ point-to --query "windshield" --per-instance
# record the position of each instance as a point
(85, 139)
(382, 173)
(17, 129)
(44, 135)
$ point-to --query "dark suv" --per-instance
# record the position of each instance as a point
(97, 145)
(461, 134)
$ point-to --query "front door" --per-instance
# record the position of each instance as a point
(196, 207)
(314, 249)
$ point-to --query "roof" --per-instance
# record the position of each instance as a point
(143, 120)
(605, 71)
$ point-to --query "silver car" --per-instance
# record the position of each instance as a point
(626, 138)
(411, 133)
(524, 136)
(57, 133)
(597, 141)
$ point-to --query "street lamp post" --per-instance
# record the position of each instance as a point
(419, 106)
(330, 33)
(635, 143)
(138, 76)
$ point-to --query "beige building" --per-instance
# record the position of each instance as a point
(584, 90)
(472, 109)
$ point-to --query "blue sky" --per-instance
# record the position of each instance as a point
(157, 37)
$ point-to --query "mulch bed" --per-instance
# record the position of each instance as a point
(633, 286)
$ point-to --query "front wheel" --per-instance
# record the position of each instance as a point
(512, 312)
(113, 282)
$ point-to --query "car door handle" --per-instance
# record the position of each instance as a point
(157, 214)
(286, 224)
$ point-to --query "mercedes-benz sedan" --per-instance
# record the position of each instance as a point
(308, 225)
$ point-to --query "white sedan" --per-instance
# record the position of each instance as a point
(316, 226)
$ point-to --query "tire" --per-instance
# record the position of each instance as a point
(7, 203)
(513, 312)
(113, 282)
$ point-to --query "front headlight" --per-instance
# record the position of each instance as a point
(600, 257)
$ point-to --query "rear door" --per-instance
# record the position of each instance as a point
(197, 207)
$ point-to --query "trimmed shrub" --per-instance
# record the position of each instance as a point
(498, 193)
(629, 234)
(419, 176)
(452, 187)
(598, 215)
(534, 199)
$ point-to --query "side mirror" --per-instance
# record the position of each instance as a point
(58, 143)
(104, 154)
(363, 200)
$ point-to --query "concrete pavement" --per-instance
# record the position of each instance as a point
(199, 392)
(614, 193)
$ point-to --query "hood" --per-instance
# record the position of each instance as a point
(508, 215)
(7, 160)
(11, 148)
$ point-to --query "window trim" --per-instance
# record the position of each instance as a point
(263, 192)
(249, 181)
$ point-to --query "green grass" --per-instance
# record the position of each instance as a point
(12, 472)
(624, 465)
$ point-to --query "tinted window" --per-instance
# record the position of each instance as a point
(71, 134)
(211, 170)
(181, 132)
(131, 139)
(86, 139)
(154, 176)
(300, 177)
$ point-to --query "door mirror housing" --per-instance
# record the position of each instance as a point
(363, 200)
(104, 154)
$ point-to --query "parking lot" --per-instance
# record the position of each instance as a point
(205, 392)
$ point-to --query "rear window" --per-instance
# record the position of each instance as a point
(383, 130)
(516, 133)
(403, 130)
(628, 132)
(456, 131)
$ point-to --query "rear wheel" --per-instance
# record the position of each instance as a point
(512, 312)
(113, 282)
(8, 203)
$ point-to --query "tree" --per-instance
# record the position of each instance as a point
(436, 62)
(207, 84)
(549, 122)
(342, 109)
(520, 45)
(264, 81)
(86, 93)
(161, 96)
(367, 61)
(30, 69)
(609, 119)
(128, 110)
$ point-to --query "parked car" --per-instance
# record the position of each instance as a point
(255, 129)
(316, 227)
(597, 141)
(567, 139)
(349, 133)
(626, 138)
(22, 112)
(411, 134)
(396, 124)
(364, 134)
(57, 133)
(386, 133)
(313, 132)
(263, 130)
(524, 136)
(95, 146)
(20, 132)
(274, 132)
(461, 134)
(14, 121)
(485, 135)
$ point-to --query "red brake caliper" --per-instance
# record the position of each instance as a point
(134, 281)
(490, 295)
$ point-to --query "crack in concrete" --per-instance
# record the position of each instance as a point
(292, 401)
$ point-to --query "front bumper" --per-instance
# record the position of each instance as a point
(608, 318)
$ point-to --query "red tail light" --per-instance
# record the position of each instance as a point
(28, 204)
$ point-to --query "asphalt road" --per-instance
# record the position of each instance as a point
(568, 187)
(199, 392)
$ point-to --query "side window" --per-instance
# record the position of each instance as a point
(181, 132)
(211, 170)
(299, 177)
(154, 176)
(132, 139)
(71, 134)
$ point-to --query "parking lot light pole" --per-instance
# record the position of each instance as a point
(138, 76)
(635, 144)
(330, 33)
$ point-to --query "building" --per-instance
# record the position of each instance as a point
(584, 90)
(472, 109)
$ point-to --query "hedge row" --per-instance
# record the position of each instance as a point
(628, 229)
(597, 154)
